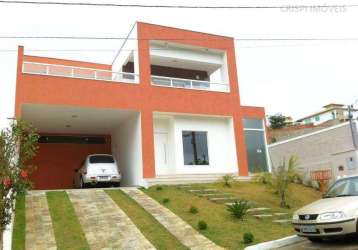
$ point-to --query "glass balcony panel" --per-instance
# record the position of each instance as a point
(181, 83)
(201, 85)
(161, 81)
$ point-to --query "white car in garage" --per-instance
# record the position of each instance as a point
(98, 169)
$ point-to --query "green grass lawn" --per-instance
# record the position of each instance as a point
(146, 223)
(68, 231)
(225, 230)
(18, 236)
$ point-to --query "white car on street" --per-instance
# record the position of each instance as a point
(334, 215)
(97, 169)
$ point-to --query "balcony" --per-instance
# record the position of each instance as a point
(78, 72)
(189, 84)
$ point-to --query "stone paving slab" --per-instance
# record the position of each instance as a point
(105, 225)
(262, 216)
(223, 199)
(258, 209)
(280, 214)
(215, 195)
(202, 190)
(39, 229)
(282, 221)
(187, 235)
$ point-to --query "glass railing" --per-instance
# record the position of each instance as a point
(189, 84)
(78, 72)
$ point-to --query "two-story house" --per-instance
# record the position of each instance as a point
(330, 112)
(168, 108)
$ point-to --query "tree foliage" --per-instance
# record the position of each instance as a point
(277, 121)
(18, 145)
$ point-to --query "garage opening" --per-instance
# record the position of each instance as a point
(69, 134)
(59, 156)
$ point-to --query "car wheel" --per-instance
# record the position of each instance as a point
(315, 239)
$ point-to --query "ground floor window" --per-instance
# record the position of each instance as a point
(255, 145)
(195, 148)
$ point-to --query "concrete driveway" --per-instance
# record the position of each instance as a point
(341, 244)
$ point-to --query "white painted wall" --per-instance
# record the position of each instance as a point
(221, 143)
(128, 49)
(127, 149)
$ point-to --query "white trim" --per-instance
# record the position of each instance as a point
(308, 134)
(7, 234)
(268, 158)
(254, 129)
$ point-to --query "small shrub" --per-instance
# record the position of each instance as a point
(193, 210)
(159, 188)
(238, 209)
(165, 200)
(263, 178)
(248, 238)
(202, 225)
(227, 179)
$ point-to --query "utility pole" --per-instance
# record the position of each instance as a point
(352, 125)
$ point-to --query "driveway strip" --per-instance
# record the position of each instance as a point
(187, 235)
(39, 229)
(105, 225)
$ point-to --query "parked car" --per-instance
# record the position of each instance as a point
(334, 215)
(97, 168)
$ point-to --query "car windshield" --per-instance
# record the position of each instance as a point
(344, 187)
(101, 159)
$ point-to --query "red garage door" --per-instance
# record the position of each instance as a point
(59, 156)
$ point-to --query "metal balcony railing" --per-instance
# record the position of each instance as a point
(189, 84)
(78, 72)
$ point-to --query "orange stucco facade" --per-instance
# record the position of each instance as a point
(143, 97)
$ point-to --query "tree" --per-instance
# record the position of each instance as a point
(282, 177)
(18, 145)
(277, 121)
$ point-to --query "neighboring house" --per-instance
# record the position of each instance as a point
(168, 108)
(333, 148)
(330, 112)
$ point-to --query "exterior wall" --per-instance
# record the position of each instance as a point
(143, 97)
(127, 149)
(56, 163)
(320, 150)
(275, 135)
(327, 116)
(221, 143)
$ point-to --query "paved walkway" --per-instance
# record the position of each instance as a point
(39, 230)
(179, 228)
(105, 225)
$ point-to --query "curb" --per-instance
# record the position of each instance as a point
(276, 243)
